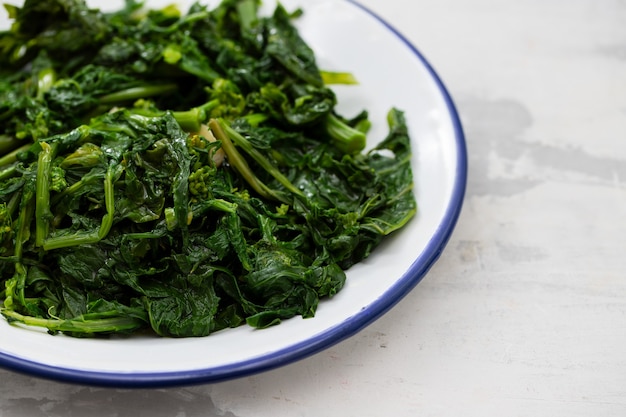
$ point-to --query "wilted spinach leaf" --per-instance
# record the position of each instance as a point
(180, 173)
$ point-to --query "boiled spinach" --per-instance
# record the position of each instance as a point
(180, 173)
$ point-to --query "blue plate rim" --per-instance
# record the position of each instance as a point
(313, 345)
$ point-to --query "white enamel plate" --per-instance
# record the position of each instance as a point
(391, 73)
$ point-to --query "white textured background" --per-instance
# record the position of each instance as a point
(525, 312)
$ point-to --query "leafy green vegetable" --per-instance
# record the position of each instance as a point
(181, 173)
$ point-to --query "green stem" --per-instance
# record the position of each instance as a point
(72, 189)
(345, 78)
(15, 286)
(189, 120)
(8, 143)
(24, 220)
(12, 156)
(80, 324)
(13, 203)
(345, 138)
(20, 276)
(189, 19)
(8, 172)
(109, 202)
(248, 13)
(216, 204)
(86, 238)
(240, 164)
(244, 144)
(255, 119)
(42, 193)
(45, 80)
(135, 93)
(75, 239)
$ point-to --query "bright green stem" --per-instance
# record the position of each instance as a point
(207, 74)
(189, 120)
(45, 80)
(85, 238)
(80, 324)
(247, 12)
(236, 160)
(171, 222)
(14, 203)
(216, 204)
(75, 239)
(12, 156)
(74, 188)
(20, 276)
(15, 286)
(330, 77)
(136, 93)
(255, 119)
(42, 193)
(25, 218)
(245, 144)
(9, 295)
(8, 143)
(109, 202)
(345, 138)
(8, 172)
(188, 19)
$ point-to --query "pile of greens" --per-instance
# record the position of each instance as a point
(180, 173)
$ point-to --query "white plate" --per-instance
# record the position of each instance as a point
(391, 72)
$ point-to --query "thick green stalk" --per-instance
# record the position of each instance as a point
(74, 239)
(345, 138)
(345, 78)
(109, 202)
(14, 203)
(8, 143)
(25, 217)
(248, 13)
(42, 193)
(85, 238)
(74, 188)
(45, 80)
(189, 120)
(244, 144)
(78, 325)
(8, 172)
(15, 286)
(192, 120)
(135, 93)
(236, 160)
(255, 119)
(12, 156)
(187, 20)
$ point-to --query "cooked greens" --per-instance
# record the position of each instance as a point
(180, 173)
